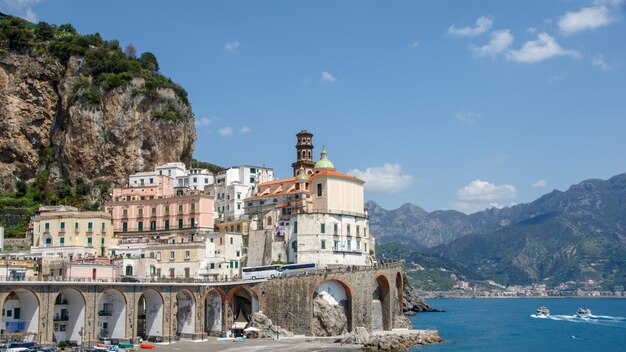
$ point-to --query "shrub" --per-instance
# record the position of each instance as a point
(21, 188)
(149, 61)
(44, 31)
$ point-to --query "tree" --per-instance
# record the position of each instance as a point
(21, 188)
(131, 52)
(67, 28)
(44, 31)
(149, 61)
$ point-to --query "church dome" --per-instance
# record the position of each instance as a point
(302, 176)
(324, 163)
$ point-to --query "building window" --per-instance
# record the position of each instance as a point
(336, 245)
(231, 240)
(193, 222)
(129, 270)
(348, 229)
(47, 226)
(61, 241)
(349, 245)
(187, 255)
(167, 210)
(238, 227)
(89, 241)
(365, 232)
(153, 211)
(238, 254)
(180, 223)
(323, 228)
(140, 212)
(193, 207)
(294, 246)
(206, 180)
(124, 213)
(172, 272)
(323, 244)
(152, 225)
(238, 206)
(158, 255)
(358, 246)
(253, 170)
(62, 226)
(180, 208)
(76, 226)
(167, 224)
(251, 179)
(358, 230)
(319, 189)
(90, 226)
(336, 228)
(151, 180)
(172, 255)
(102, 226)
(124, 226)
(140, 225)
(295, 227)
(212, 265)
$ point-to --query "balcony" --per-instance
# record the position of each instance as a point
(105, 313)
(61, 317)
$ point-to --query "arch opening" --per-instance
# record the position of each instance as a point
(399, 294)
(381, 304)
(185, 313)
(244, 304)
(69, 316)
(213, 313)
(150, 314)
(112, 315)
(20, 316)
(332, 309)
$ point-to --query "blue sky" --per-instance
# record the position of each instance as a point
(444, 104)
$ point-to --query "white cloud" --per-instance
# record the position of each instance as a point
(584, 19)
(502, 158)
(232, 47)
(483, 24)
(499, 41)
(469, 207)
(204, 121)
(468, 117)
(540, 184)
(328, 77)
(245, 129)
(21, 8)
(414, 45)
(598, 61)
(226, 131)
(478, 190)
(545, 47)
(387, 178)
(531, 30)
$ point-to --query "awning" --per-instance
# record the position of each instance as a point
(239, 325)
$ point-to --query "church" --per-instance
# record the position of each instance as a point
(317, 216)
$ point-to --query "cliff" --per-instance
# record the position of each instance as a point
(76, 108)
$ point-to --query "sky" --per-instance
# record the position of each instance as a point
(444, 104)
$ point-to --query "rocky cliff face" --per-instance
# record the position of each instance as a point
(110, 137)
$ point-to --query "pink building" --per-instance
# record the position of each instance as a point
(157, 210)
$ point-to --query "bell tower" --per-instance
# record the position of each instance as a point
(304, 148)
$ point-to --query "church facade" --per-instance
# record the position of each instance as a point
(316, 216)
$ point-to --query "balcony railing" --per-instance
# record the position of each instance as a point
(105, 313)
(156, 228)
(63, 317)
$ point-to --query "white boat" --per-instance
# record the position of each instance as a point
(583, 312)
(543, 311)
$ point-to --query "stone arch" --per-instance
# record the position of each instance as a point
(243, 301)
(185, 313)
(150, 313)
(70, 316)
(214, 312)
(269, 221)
(399, 293)
(112, 312)
(27, 318)
(381, 304)
(331, 307)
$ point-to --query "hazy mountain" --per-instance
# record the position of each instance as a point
(572, 235)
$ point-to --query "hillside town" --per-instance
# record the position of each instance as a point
(174, 224)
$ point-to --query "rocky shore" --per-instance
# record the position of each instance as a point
(396, 340)
(412, 303)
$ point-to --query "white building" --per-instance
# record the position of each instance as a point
(183, 178)
(235, 184)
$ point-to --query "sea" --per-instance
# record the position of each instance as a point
(511, 325)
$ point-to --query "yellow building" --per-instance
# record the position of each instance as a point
(69, 233)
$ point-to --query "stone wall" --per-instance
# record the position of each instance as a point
(288, 302)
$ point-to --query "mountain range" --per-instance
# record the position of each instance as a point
(572, 235)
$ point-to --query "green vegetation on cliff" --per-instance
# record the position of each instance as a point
(109, 65)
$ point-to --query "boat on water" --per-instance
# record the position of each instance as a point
(543, 311)
(583, 312)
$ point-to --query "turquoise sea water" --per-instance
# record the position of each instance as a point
(507, 325)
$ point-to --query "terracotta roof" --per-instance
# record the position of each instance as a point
(282, 180)
(334, 173)
(281, 205)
